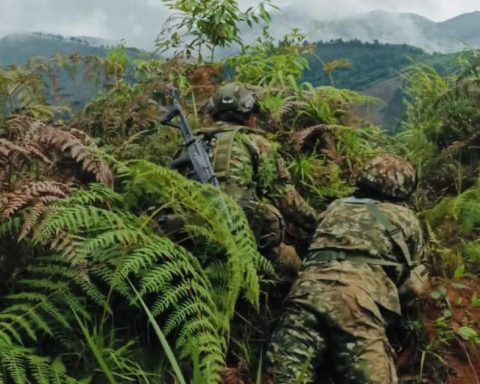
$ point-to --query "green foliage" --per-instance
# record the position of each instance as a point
(269, 63)
(22, 88)
(439, 133)
(206, 24)
(455, 223)
(319, 181)
(102, 242)
(102, 291)
(116, 62)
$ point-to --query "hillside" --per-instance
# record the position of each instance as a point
(466, 27)
(370, 62)
(402, 28)
(374, 66)
(376, 71)
(17, 49)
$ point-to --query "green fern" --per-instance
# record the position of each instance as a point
(102, 243)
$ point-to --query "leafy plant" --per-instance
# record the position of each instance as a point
(320, 181)
(199, 25)
(269, 63)
(101, 244)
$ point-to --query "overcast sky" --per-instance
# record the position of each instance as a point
(139, 21)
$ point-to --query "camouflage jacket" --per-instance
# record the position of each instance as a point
(249, 167)
(353, 228)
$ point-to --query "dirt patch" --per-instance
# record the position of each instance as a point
(451, 318)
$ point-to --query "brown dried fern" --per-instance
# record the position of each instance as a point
(33, 194)
(51, 144)
(38, 164)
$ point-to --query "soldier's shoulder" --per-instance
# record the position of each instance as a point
(401, 215)
(394, 208)
(360, 204)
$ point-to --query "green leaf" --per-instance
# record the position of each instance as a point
(475, 300)
(459, 272)
(467, 333)
(161, 337)
(435, 295)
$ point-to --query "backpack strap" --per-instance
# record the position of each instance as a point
(223, 152)
(389, 228)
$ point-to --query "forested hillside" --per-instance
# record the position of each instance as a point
(373, 68)
(368, 62)
(20, 47)
(376, 69)
(96, 286)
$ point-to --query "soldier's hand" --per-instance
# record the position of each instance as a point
(416, 283)
(288, 263)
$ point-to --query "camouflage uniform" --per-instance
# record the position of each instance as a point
(250, 169)
(334, 325)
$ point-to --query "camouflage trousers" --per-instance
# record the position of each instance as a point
(333, 330)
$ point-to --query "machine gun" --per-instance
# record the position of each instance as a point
(196, 153)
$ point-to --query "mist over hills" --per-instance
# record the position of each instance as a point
(18, 48)
(452, 35)
(379, 44)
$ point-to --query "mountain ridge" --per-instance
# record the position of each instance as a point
(457, 33)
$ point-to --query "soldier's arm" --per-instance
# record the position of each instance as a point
(417, 282)
(281, 190)
(420, 250)
(292, 205)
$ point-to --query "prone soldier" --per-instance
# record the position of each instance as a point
(364, 258)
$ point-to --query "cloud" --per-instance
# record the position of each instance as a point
(436, 10)
(139, 21)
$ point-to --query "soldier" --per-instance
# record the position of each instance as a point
(251, 170)
(364, 258)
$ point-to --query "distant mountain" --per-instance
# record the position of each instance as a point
(466, 27)
(19, 47)
(397, 28)
(376, 70)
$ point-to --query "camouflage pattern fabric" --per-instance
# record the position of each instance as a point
(260, 181)
(388, 175)
(332, 320)
(266, 223)
(352, 227)
(273, 181)
(334, 325)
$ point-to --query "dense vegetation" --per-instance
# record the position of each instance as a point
(96, 289)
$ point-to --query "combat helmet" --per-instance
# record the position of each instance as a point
(233, 97)
(388, 176)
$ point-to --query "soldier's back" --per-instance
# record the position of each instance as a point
(350, 225)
